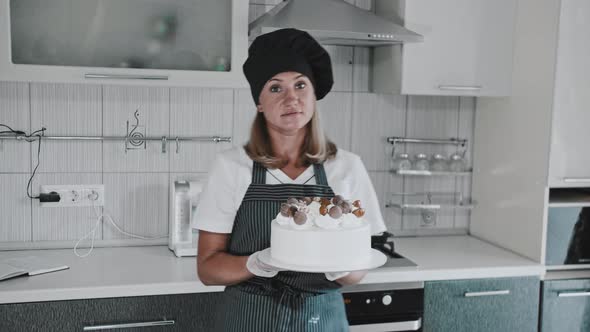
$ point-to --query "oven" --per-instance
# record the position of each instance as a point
(567, 243)
(568, 236)
(384, 307)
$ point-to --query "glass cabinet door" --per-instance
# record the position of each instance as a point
(150, 34)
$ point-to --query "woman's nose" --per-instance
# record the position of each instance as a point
(291, 95)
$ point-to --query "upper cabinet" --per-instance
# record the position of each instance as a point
(160, 42)
(570, 155)
(467, 48)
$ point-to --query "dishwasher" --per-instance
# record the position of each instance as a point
(384, 307)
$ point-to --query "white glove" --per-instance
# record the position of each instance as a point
(260, 269)
(335, 275)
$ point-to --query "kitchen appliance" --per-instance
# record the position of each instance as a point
(384, 307)
(568, 229)
(333, 22)
(389, 306)
(182, 237)
(384, 243)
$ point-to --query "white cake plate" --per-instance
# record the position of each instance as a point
(377, 259)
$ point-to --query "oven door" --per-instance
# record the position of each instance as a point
(403, 326)
(385, 307)
(568, 236)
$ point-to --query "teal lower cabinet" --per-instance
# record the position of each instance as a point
(477, 305)
(565, 305)
(181, 312)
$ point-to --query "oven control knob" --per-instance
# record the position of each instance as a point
(386, 300)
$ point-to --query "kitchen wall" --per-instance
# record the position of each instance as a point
(137, 183)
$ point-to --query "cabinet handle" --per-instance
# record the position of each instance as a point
(460, 87)
(413, 325)
(128, 325)
(489, 293)
(127, 77)
(576, 179)
(572, 294)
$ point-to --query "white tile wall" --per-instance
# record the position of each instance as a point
(138, 183)
(199, 112)
(15, 208)
(119, 105)
(138, 204)
(244, 114)
(374, 118)
(335, 112)
(14, 112)
(81, 106)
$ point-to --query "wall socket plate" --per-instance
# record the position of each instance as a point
(428, 218)
(75, 195)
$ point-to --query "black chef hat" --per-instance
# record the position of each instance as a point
(288, 50)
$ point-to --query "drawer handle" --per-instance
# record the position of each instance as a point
(460, 87)
(128, 325)
(413, 325)
(569, 180)
(489, 293)
(127, 77)
(572, 294)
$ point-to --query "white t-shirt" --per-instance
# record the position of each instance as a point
(231, 174)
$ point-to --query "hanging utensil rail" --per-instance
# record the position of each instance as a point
(163, 139)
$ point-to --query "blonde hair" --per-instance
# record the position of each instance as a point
(317, 148)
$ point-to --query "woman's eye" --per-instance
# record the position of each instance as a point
(275, 88)
(300, 85)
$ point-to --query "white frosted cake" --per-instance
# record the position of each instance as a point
(316, 232)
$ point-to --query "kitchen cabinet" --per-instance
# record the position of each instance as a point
(570, 157)
(467, 48)
(499, 304)
(565, 305)
(175, 43)
(536, 139)
(178, 312)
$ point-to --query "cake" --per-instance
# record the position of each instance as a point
(321, 232)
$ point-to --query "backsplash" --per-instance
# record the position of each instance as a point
(137, 182)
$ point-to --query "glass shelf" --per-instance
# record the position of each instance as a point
(429, 173)
(464, 206)
(430, 201)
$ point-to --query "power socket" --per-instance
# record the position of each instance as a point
(428, 218)
(75, 195)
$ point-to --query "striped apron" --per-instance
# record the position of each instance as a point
(290, 301)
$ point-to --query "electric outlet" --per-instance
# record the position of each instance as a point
(428, 218)
(75, 195)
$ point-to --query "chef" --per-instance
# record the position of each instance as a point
(287, 155)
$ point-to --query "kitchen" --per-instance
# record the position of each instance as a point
(481, 247)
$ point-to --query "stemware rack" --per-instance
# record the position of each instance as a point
(396, 140)
(430, 201)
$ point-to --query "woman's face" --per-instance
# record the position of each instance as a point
(287, 101)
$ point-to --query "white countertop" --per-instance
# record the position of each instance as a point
(138, 271)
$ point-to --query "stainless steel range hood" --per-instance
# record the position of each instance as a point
(333, 22)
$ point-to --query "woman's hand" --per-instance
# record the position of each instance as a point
(215, 266)
(259, 268)
(346, 278)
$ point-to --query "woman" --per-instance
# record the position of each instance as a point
(287, 156)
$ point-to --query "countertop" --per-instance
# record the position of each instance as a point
(154, 270)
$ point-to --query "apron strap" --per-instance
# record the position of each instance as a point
(320, 174)
(258, 173)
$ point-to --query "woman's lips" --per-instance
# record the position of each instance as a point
(292, 113)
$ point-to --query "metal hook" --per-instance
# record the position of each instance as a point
(177, 145)
(126, 139)
(163, 144)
